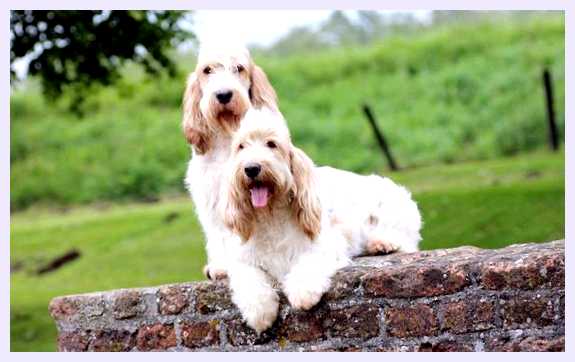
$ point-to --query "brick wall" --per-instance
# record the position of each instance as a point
(463, 299)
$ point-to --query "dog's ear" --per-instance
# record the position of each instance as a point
(237, 212)
(194, 123)
(262, 94)
(306, 204)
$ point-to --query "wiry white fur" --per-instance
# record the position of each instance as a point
(375, 214)
(278, 248)
(371, 214)
(227, 57)
(203, 179)
(280, 254)
(257, 302)
(204, 173)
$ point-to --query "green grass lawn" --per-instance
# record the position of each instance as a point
(485, 203)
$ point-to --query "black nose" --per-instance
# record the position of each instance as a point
(252, 170)
(224, 97)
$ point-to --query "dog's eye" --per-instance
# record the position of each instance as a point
(271, 144)
(241, 147)
(207, 70)
(240, 68)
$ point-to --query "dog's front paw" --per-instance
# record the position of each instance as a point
(213, 272)
(261, 317)
(304, 298)
(379, 246)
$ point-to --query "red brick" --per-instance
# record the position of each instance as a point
(399, 347)
(239, 334)
(468, 315)
(173, 299)
(412, 321)
(200, 334)
(345, 283)
(358, 321)
(156, 337)
(76, 341)
(334, 349)
(521, 311)
(418, 281)
(445, 346)
(127, 304)
(542, 344)
(63, 308)
(530, 273)
(529, 344)
(302, 327)
(212, 297)
(113, 341)
(554, 270)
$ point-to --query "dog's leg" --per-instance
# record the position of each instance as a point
(254, 295)
(216, 249)
(311, 276)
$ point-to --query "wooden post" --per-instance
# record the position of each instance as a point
(380, 138)
(553, 133)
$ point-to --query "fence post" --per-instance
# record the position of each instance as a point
(380, 138)
(553, 133)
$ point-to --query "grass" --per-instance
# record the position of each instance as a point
(484, 203)
(455, 93)
(121, 246)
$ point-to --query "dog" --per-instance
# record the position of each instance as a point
(224, 85)
(272, 198)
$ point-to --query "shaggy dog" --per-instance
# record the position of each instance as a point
(272, 198)
(224, 85)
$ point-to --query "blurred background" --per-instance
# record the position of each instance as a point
(469, 121)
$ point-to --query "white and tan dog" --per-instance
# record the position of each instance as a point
(224, 85)
(274, 198)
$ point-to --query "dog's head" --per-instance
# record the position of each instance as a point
(265, 172)
(224, 85)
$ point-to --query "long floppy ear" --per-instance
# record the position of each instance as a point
(194, 123)
(306, 204)
(237, 212)
(262, 94)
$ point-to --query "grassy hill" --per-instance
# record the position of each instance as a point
(452, 93)
(484, 203)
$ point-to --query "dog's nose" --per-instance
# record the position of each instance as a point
(224, 97)
(252, 170)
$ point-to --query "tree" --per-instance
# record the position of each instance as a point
(79, 49)
(338, 30)
(373, 25)
(300, 39)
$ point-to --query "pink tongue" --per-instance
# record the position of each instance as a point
(259, 196)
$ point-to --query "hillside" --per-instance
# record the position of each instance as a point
(453, 93)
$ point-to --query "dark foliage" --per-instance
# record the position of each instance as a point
(79, 49)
